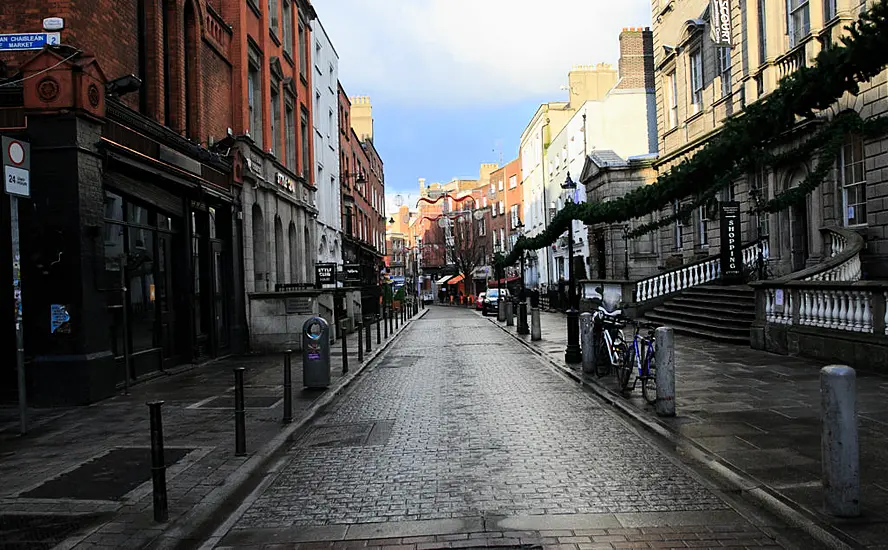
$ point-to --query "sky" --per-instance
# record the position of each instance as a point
(453, 83)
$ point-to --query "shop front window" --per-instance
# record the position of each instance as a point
(141, 289)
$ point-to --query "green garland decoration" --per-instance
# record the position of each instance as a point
(743, 139)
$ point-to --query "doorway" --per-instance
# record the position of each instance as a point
(798, 218)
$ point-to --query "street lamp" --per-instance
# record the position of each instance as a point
(573, 353)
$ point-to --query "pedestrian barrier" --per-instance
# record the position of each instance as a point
(587, 339)
(369, 347)
(378, 333)
(158, 464)
(839, 444)
(360, 343)
(665, 361)
(522, 318)
(240, 438)
(510, 318)
(344, 347)
(536, 332)
(288, 387)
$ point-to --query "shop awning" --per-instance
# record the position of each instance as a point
(443, 279)
(503, 281)
(456, 279)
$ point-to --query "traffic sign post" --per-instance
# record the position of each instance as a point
(17, 183)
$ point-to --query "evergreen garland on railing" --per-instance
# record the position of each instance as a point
(743, 139)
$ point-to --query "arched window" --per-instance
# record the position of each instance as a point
(279, 258)
(259, 255)
(294, 253)
(309, 267)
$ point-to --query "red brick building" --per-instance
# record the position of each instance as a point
(363, 196)
(133, 213)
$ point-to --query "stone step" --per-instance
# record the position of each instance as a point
(727, 317)
(703, 329)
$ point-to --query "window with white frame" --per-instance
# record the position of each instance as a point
(500, 185)
(678, 232)
(798, 21)
(513, 182)
(853, 179)
(762, 31)
(482, 228)
(502, 238)
(254, 102)
(502, 207)
(703, 226)
(759, 191)
(287, 27)
(696, 66)
(493, 210)
(672, 100)
(276, 144)
(724, 70)
(483, 202)
(513, 216)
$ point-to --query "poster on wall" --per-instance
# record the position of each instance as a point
(731, 257)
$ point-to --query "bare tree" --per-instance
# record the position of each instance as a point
(467, 243)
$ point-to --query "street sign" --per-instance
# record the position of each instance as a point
(352, 273)
(16, 167)
(325, 274)
(29, 41)
(731, 257)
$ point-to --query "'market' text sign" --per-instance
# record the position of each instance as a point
(731, 257)
(29, 41)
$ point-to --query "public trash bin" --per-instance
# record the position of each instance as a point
(316, 353)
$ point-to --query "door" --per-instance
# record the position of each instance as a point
(798, 223)
(165, 300)
(221, 313)
(602, 255)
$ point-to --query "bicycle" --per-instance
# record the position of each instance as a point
(641, 355)
(608, 343)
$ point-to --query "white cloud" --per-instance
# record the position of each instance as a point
(465, 51)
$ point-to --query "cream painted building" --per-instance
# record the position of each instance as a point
(586, 82)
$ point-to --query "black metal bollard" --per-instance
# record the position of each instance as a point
(158, 465)
(378, 332)
(344, 349)
(240, 436)
(360, 343)
(397, 319)
(367, 338)
(288, 387)
(385, 322)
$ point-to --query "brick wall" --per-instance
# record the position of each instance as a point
(636, 64)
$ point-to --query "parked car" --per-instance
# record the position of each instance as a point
(479, 301)
(491, 299)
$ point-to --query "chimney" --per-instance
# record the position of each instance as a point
(636, 58)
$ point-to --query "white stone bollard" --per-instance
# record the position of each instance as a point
(500, 309)
(586, 342)
(536, 332)
(665, 362)
(839, 446)
(510, 317)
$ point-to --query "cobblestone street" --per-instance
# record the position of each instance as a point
(459, 438)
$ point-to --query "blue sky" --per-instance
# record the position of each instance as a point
(454, 81)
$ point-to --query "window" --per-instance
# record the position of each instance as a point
(291, 137)
(304, 134)
(703, 228)
(303, 59)
(829, 9)
(724, 70)
(482, 230)
(697, 80)
(287, 15)
(853, 182)
(798, 21)
(502, 238)
(672, 99)
(273, 15)
(330, 124)
(254, 101)
(483, 202)
(502, 207)
(759, 192)
(500, 185)
(678, 233)
(513, 213)
(513, 182)
(276, 119)
(762, 32)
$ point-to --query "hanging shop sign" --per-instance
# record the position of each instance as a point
(731, 257)
(720, 22)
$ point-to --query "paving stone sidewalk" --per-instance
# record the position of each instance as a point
(760, 413)
(82, 474)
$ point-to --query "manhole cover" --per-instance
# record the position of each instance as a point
(349, 435)
(108, 477)
(250, 402)
(38, 532)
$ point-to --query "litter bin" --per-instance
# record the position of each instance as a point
(316, 353)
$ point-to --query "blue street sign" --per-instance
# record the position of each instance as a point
(28, 41)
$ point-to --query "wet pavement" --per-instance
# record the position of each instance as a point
(460, 437)
(759, 413)
(81, 476)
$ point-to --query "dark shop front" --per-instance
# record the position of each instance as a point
(131, 231)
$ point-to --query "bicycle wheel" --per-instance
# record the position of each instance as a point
(649, 384)
(600, 359)
(626, 360)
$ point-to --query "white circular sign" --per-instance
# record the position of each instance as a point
(399, 201)
(16, 153)
(443, 222)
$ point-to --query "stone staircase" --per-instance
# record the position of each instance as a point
(714, 312)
